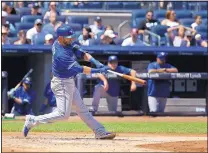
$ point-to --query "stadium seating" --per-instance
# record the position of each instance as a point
(78, 19)
(24, 11)
(204, 22)
(23, 26)
(39, 39)
(160, 13)
(131, 5)
(159, 30)
(201, 28)
(75, 26)
(139, 13)
(13, 39)
(177, 5)
(30, 18)
(138, 21)
(203, 14)
(186, 22)
(93, 5)
(183, 14)
(13, 19)
(114, 5)
(58, 18)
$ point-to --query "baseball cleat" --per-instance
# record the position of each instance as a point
(106, 135)
(28, 125)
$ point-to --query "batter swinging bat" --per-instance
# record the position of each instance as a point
(130, 78)
(26, 75)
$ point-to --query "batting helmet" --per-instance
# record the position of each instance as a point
(112, 58)
(65, 31)
(27, 80)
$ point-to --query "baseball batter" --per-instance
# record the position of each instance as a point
(65, 67)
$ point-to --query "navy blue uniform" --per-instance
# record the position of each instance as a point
(48, 93)
(158, 88)
(27, 98)
(114, 84)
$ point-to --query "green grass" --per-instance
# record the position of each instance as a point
(138, 127)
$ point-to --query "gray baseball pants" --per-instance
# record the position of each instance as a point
(157, 104)
(99, 92)
(66, 93)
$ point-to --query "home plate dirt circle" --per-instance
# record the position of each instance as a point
(85, 142)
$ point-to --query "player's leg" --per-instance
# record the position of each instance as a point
(13, 111)
(112, 102)
(63, 91)
(87, 117)
(98, 93)
(153, 104)
(162, 104)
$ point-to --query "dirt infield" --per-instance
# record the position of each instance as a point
(124, 142)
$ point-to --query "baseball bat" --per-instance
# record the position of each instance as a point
(26, 75)
(130, 78)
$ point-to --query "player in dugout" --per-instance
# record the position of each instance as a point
(158, 90)
(50, 100)
(23, 97)
(110, 88)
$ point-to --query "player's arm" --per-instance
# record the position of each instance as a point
(105, 82)
(89, 58)
(133, 84)
(171, 69)
(131, 72)
(80, 53)
(151, 69)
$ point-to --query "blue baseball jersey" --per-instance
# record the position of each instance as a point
(48, 93)
(158, 88)
(27, 98)
(114, 84)
(64, 60)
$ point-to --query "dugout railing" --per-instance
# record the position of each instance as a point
(178, 106)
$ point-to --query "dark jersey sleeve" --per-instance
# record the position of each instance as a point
(78, 51)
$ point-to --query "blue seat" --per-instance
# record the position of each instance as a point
(160, 13)
(161, 31)
(192, 6)
(13, 39)
(93, 5)
(203, 35)
(203, 14)
(13, 19)
(183, 14)
(203, 5)
(177, 5)
(58, 18)
(131, 5)
(30, 18)
(186, 22)
(75, 26)
(202, 28)
(23, 26)
(114, 5)
(139, 13)
(38, 39)
(78, 33)
(78, 19)
(137, 22)
(24, 11)
(204, 22)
